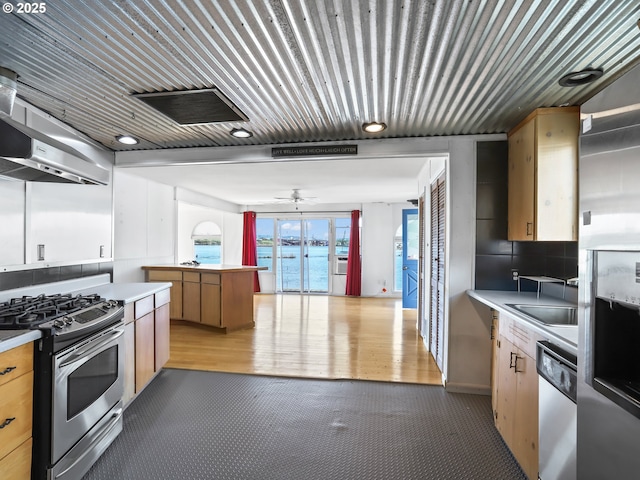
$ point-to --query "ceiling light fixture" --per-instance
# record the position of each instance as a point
(241, 133)
(582, 77)
(374, 127)
(127, 139)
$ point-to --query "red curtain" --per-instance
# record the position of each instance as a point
(354, 275)
(249, 245)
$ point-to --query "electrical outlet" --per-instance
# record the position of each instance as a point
(514, 274)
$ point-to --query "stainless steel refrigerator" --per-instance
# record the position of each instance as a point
(609, 283)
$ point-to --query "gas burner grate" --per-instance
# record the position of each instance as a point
(30, 311)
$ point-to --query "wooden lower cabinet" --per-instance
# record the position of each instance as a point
(191, 297)
(16, 412)
(161, 334)
(146, 341)
(515, 396)
(218, 297)
(210, 304)
(17, 464)
(145, 350)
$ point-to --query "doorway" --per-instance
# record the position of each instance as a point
(302, 255)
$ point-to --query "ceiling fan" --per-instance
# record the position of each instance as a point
(296, 198)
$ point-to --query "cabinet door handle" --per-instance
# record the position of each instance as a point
(6, 422)
(512, 362)
(515, 363)
(529, 228)
(7, 370)
(493, 332)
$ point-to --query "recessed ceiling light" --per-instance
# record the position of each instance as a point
(582, 77)
(127, 139)
(241, 133)
(373, 127)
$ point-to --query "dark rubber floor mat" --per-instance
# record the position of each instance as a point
(189, 425)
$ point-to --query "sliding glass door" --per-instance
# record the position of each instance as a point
(302, 255)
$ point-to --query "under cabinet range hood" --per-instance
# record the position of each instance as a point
(26, 154)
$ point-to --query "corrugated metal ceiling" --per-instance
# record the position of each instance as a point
(313, 70)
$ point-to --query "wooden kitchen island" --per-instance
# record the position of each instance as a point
(219, 296)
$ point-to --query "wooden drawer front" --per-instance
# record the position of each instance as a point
(213, 278)
(15, 362)
(15, 412)
(191, 277)
(17, 465)
(523, 338)
(163, 297)
(164, 276)
(144, 306)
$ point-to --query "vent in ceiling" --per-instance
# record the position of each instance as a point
(192, 107)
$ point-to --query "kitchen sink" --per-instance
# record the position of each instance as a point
(549, 315)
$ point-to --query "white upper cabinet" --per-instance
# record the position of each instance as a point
(68, 223)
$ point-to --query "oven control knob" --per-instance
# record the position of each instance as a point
(59, 323)
(68, 320)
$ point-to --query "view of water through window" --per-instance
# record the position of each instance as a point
(313, 273)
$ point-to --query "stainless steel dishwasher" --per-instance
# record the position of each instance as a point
(557, 413)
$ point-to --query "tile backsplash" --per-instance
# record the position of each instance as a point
(38, 276)
(496, 256)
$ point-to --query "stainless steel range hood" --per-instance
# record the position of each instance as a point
(30, 156)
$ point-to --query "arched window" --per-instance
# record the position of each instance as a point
(397, 260)
(207, 242)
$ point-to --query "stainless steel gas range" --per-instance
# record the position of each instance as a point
(78, 378)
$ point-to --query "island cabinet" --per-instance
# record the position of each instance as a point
(515, 390)
(543, 176)
(146, 341)
(219, 296)
(16, 412)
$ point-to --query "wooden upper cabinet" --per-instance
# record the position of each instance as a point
(543, 176)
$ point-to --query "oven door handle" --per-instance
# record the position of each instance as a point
(90, 349)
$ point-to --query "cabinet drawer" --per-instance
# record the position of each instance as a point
(525, 339)
(17, 465)
(164, 276)
(162, 298)
(15, 362)
(191, 277)
(505, 326)
(213, 278)
(16, 412)
(144, 306)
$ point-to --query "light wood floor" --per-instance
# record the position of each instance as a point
(313, 336)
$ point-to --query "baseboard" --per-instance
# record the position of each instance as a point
(468, 388)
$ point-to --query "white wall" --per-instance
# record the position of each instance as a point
(468, 358)
(380, 222)
(144, 225)
(154, 222)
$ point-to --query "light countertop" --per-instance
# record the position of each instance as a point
(126, 292)
(205, 267)
(14, 338)
(564, 336)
